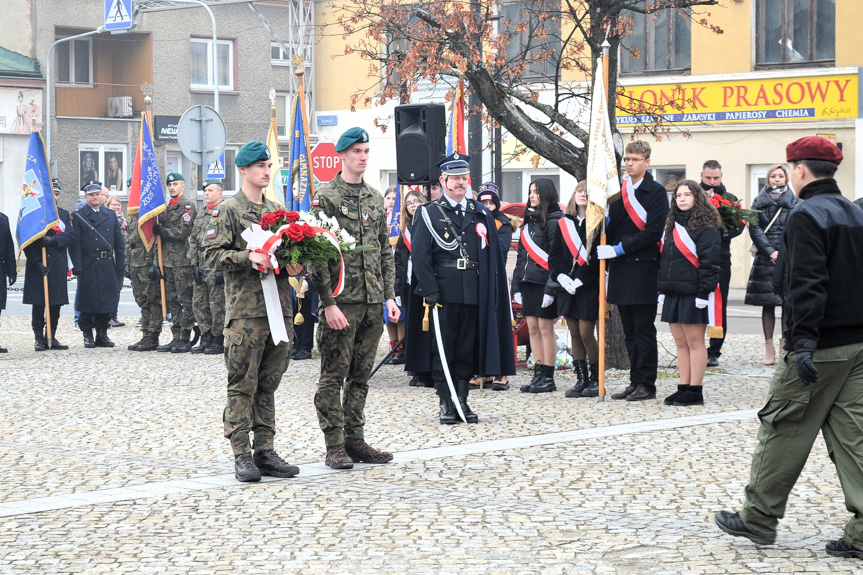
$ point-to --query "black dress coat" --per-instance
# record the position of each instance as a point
(527, 270)
(678, 276)
(58, 264)
(98, 256)
(759, 290)
(8, 266)
(584, 303)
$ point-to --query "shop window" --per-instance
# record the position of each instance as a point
(658, 42)
(795, 31)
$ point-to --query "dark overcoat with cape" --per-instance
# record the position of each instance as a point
(58, 264)
(96, 234)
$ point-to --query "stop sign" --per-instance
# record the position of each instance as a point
(326, 163)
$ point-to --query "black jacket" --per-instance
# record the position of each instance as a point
(504, 232)
(527, 270)
(561, 260)
(677, 275)
(98, 255)
(58, 264)
(402, 256)
(727, 235)
(759, 290)
(7, 258)
(823, 253)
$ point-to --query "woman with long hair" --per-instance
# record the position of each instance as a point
(114, 173)
(774, 203)
(397, 357)
(577, 272)
(688, 275)
(412, 200)
(530, 286)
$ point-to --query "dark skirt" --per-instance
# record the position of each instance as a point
(681, 309)
(583, 305)
(531, 297)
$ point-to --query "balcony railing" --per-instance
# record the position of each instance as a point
(99, 100)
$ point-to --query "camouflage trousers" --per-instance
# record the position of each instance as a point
(347, 358)
(148, 296)
(208, 304)
(255, 368)
(178, 293)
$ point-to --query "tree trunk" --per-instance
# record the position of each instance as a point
(615, 342)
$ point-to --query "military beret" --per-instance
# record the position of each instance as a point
(92, 187)
(813, 148)
(210, 181)
(55, 184)
(351, 137)
(175, 177)
(251, 153)
(454, 165)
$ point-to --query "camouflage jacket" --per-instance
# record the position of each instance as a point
(225, 251)
(176, 223)
(137, 255)
(196, 238)
(370, 274)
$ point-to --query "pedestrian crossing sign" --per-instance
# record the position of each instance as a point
(217, 168)
(118, 14)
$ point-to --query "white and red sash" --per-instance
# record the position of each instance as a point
(536, 253)
(573, 240)
(407, 238)
(684, 243)
(634, 209)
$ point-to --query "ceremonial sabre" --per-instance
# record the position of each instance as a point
(443, 362)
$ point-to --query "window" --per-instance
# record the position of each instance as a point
(538, 44)
(75, 62)
(106, 163)
(796, 31)
(659, 41)
(283, 115)
(203, 63)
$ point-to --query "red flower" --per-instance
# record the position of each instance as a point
(269, 220)
(308, 231)
(295, 233)
(291, 216)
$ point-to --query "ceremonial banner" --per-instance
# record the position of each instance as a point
(38, 212)
(455, 130)
(300, 173)
(152, 194)
(394, 222)
(270, 192)
(135, 189)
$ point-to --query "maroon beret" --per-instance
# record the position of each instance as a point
(813, 148)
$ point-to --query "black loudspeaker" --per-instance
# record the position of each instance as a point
(420, 142)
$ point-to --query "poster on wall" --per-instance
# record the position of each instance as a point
(114, 164)
(104, 163)
(20, 110)
(89, 165)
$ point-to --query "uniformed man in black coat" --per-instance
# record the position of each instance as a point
(7, 262)
(98, 257)
(457, 263)
(56, 242)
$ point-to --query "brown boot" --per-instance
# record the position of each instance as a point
(362, 452)
(769, 352)
(337, 458)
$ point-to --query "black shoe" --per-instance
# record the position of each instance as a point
(245, 470)
(625, 393)
(642, 393)
(361, 452)
(114, 322)
(269, 463)
(168, 346)
(88, 339)
(301, 354)
(3, 350)
(537, 375)
(134, 346)
(41, 343)
(203, 343)
(692, 396)
(462, 390)
(54, 344)
(149, 343)
(447, 412)
(591, 390)
(414, 382)
(712, 361)
(217, 346)
(102, 338)
(732, 524)
(840, 548)
(580, 368)
(680, 389)
(182, 346)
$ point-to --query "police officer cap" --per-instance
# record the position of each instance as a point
(92, 187)
(454, 165)
(351, 137)
(210, 181)
(55, 184)
(813, 148)
(251, 153)
(489, 191)
(175, 177)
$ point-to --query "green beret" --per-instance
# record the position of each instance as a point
(251, 153)
(209, 181)
(175, 177)
(351, 137)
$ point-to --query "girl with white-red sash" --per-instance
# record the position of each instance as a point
(688, 285)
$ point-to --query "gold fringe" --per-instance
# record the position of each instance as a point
(299, 319)
(714, 331)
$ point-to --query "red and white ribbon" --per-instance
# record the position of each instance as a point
(408, 238)
(264, 241)
(331, 237)
(684, 243)
(636, 211)
(536, 253)
(482, 232)
(573, 240)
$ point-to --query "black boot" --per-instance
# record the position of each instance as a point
(537, 375)
(217, 346)
(203, 343)
(168, 346)
(54, 344)
(581, 378)
(182, 346)
(150, 342)
(447, 410)
(41, 343)
(592, 389)
(134, 346)
(462, 388)
(88, 338)
(546, 382)
(102, 338)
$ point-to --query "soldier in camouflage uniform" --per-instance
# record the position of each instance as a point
(208, 295)
(255, 365)
(351, 323)
(174, 226)
(141, 269)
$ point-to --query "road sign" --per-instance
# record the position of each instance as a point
(201, 135)
(326, 163)
(217, 168)
(118, 15)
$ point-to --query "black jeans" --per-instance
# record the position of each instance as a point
(715, 347)
(640, 332)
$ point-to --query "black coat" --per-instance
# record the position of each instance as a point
(678, 276)
(727, 235)
(632, 276)
(759, 290)
(98, 259)
(561, 260)
(401, 256)
(8, 262)
(504, 232)
(527, 270)
(58, 264)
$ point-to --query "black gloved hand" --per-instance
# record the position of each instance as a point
(127, 272)
(431, 299)
(44, 270)
(199, 274)
(157, 230)
(12, 280)
(48, 241)
(153, 273)
(219, 279)
(803, 357)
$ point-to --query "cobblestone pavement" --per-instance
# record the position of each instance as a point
(114, 462)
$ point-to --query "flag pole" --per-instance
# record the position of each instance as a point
(602, 263)
(301, 94)
(47, 300)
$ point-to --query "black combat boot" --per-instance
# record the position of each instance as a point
(88, 338)
(245, 470)
(54, 344)
(203, 343)
(182, 346)
(134, 346)
(150, 342)
(102, 338)
(447, 410)
(269, 463)
(217, 346)
(41, 343)
(546, 382)
(168, 346)
(537, 375)
(592, 389)
(462, 388)
(581, 378)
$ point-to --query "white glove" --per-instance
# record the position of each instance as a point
(399, 300)
(516, 297)
(547, 300)
(605, 252)
(660, 298)
(701, 303)
(566, 283)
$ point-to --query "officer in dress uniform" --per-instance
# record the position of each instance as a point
(458, 266)
(98, 257)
